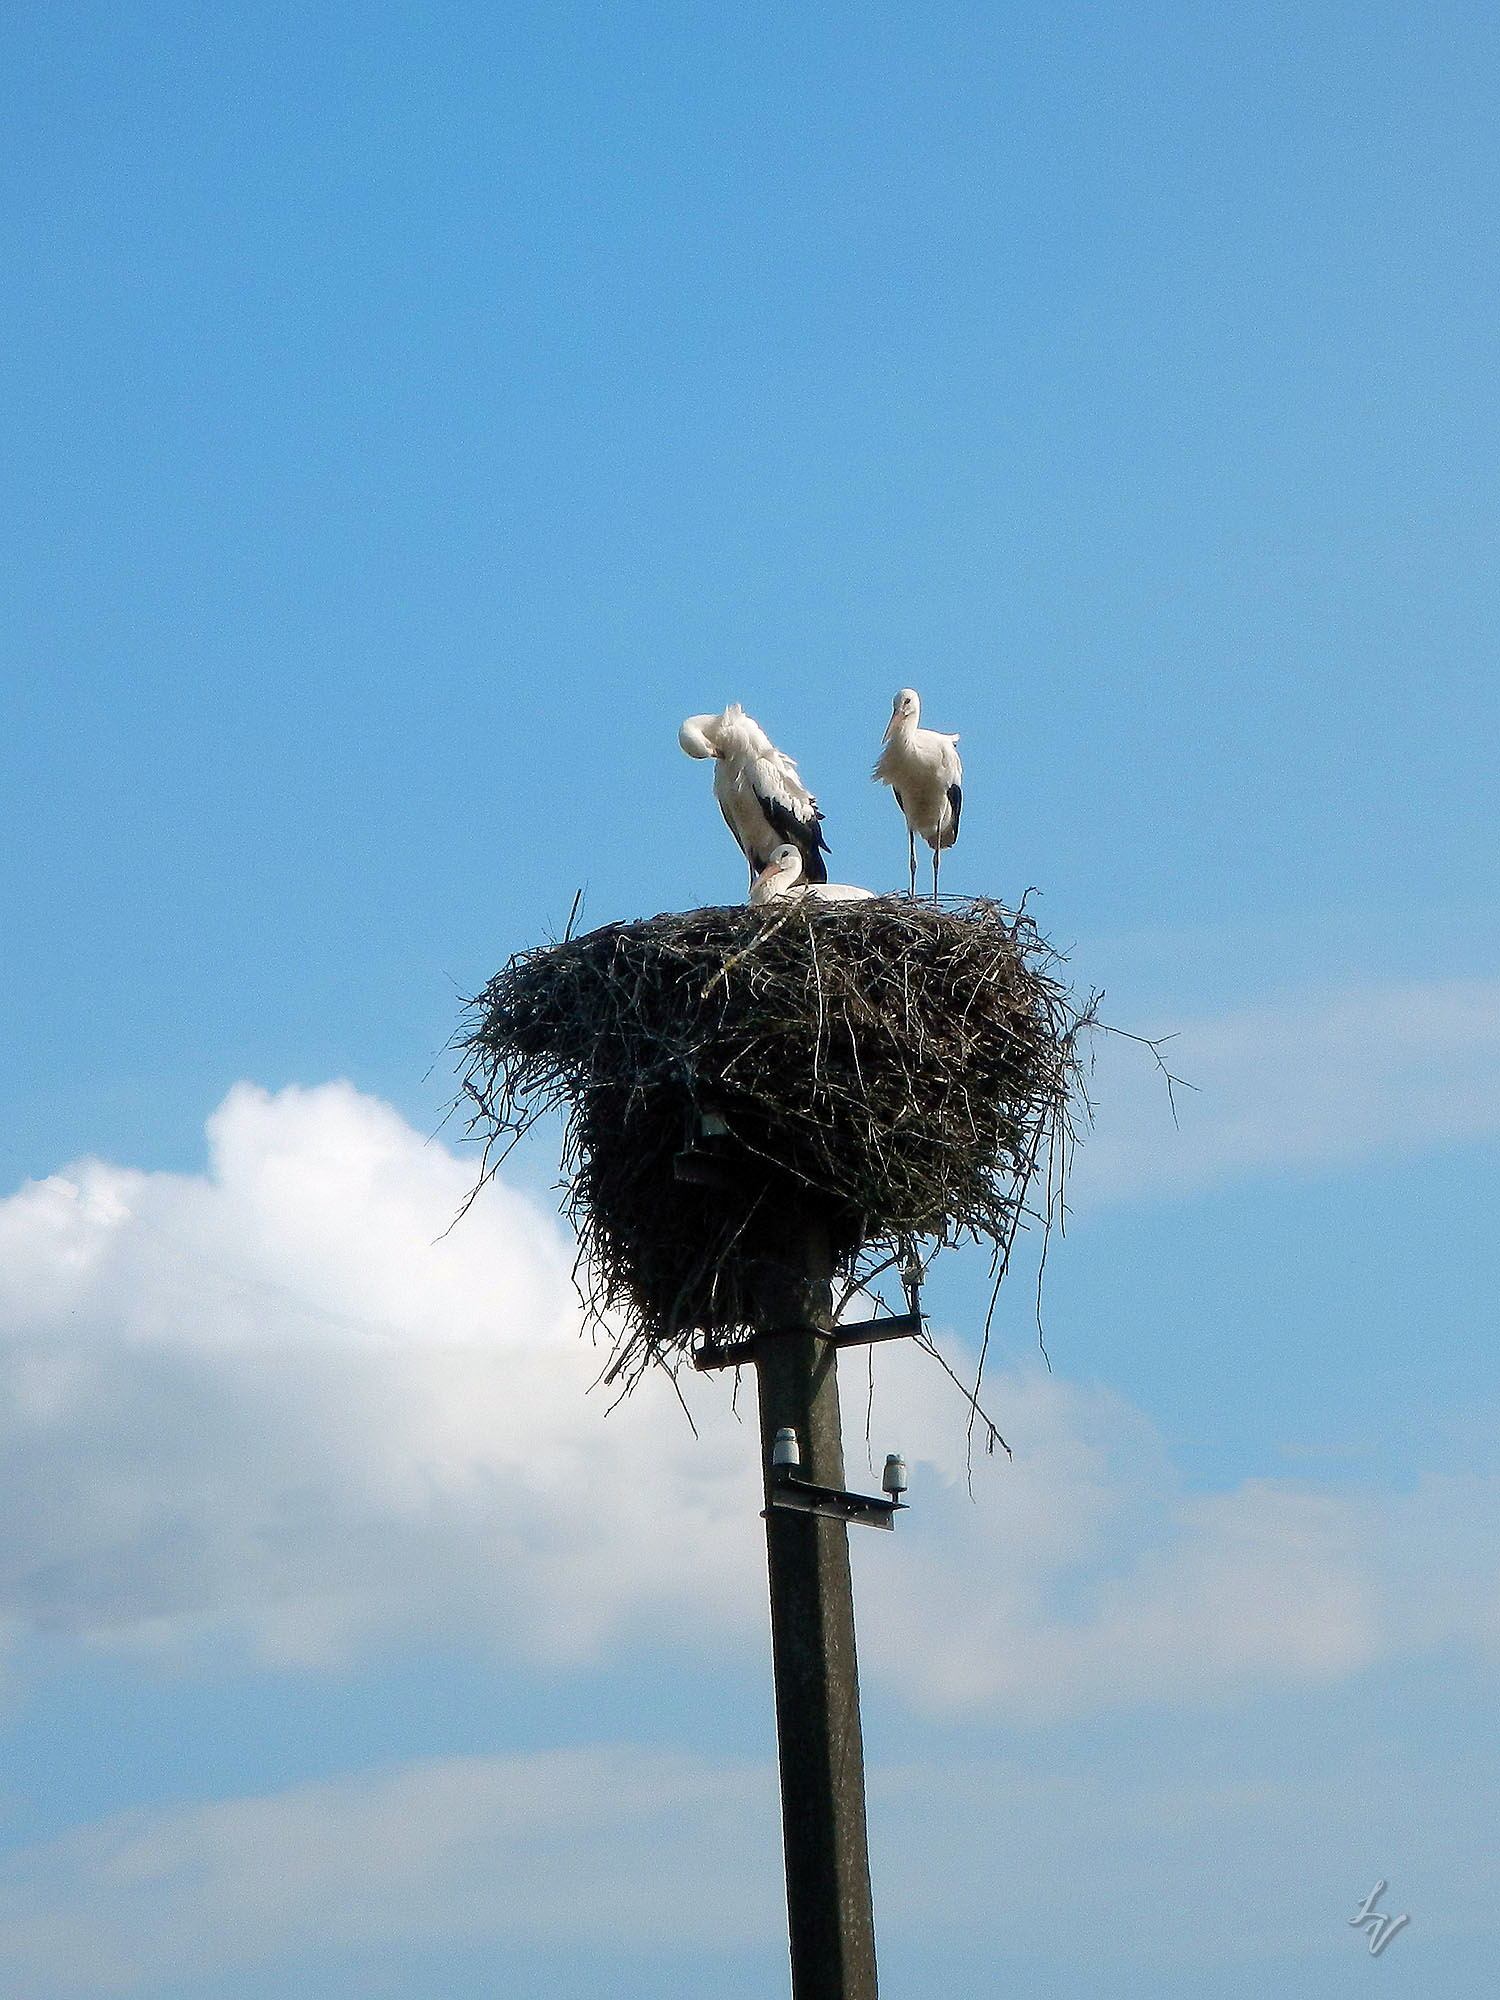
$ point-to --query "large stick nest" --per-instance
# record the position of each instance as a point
(914, 1068)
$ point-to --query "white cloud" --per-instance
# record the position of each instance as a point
(1319, 1082)
(558, 1846)
(1084, 1577)
(267, 1399)
(265, 1402)
(1207, 1852)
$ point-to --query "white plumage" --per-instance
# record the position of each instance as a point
(782, 876)
(922, 768)
(764, 802)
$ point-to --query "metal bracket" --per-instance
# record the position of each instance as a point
(705, 1164)
(801, 1496)
(711, 1353)
(891, 1326)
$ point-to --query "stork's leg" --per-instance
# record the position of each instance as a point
(911, 849)
(936, 857)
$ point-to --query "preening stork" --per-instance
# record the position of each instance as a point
(764, 802)
(922, 768)
(782, 876)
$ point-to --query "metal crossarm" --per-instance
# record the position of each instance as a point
(860, 1510)
(711, 1353)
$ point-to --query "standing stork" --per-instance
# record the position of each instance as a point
(922, 768)
(764, 802)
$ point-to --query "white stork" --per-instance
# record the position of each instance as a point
(764, 802)
(922, 768)
(782, 876)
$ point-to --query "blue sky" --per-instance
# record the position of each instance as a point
(409, 416)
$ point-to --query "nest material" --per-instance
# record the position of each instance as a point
(911, 1068)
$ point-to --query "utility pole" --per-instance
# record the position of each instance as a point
(820, 1747)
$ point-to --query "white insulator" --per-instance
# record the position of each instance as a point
(785, 1451)
(893, 1479)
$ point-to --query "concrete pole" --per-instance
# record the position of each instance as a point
(819, 1744)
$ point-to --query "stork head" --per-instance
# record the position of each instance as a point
(904, 712)
(778, 875)
(697, 736)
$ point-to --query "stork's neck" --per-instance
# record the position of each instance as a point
(741, 736)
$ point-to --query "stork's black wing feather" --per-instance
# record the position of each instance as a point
(956, 801)
(806, 835)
